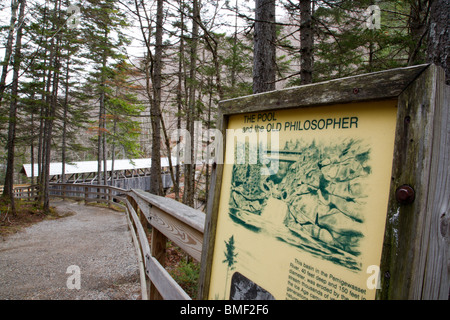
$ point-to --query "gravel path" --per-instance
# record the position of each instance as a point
(34, 262)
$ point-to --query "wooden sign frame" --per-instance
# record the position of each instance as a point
(414, 259)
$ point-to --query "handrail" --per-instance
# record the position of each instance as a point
(169, 219)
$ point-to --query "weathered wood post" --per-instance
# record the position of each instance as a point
(158, 251)
(109, 197)
(334, 190)
(86, 195)
(414, 263)
(63, 192)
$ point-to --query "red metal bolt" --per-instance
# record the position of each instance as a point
(405, 194)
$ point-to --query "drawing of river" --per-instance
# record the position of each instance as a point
(314, 202)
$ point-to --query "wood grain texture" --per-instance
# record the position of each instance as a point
(372, 86)
(180, 223)
(414, 262)
(186, 214)
(211, 218)
(142, 278)
(187, 238)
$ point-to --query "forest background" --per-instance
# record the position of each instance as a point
(96, 80)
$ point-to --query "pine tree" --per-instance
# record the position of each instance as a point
(102, 29)
(9, 177)
(122, 129)
(264, 54)
(8, 47)
(230, 258)
(189, 168)
(155, 109)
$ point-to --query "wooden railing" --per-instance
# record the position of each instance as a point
(169, 219)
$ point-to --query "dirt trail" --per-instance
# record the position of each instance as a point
(34, 262)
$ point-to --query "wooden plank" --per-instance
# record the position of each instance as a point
(140, 230)
(211, 220)
(166, 285)
(414, 262)
(86, 185)
(435, 259)
(144, 293)
(372, 86)
(186, 214)
(187, 237)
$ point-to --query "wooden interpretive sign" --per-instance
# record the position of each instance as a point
(325, 192)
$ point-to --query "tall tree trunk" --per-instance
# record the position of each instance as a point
(155, 111)
(48, 142)
(32, 147)
(438, 50)
(101, 158)
(176, 187)
(189, 172)
(41, 135)
(64, 133)
(264, 55)
(418, 28)
(208, 151)
(51, 102)
(43, 116)
(9, 47)
(9, 178)
(113, 151)
(306, 42)
(47, 121)
(104, 153)
(234, 51)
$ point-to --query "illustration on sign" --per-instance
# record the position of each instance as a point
(320, 188)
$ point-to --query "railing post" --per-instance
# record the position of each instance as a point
(34, 193)
(86, 195)
(158, 251)
(109, 192)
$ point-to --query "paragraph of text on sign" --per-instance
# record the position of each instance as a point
(306, 282)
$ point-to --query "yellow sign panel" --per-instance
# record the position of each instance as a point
(303, 203)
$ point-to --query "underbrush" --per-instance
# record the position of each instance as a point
(27, 213)
(183, 269)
